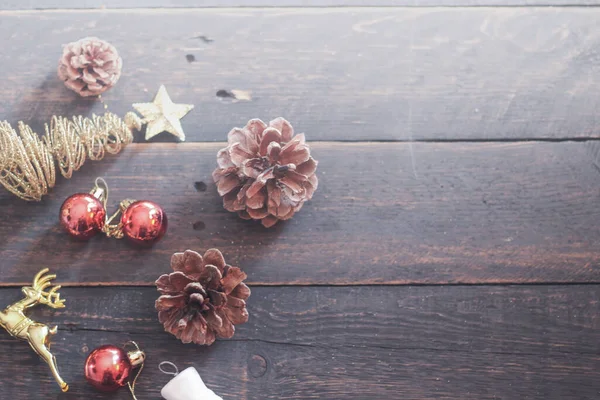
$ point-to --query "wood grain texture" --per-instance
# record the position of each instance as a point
(162, 4)
(365, 74)
(334, 312)
(489, 319)
(236, 371)
(535, 342)
(383, 214)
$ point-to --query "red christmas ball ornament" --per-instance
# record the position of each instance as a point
(82, 215)
(108, 367)
(144, 222)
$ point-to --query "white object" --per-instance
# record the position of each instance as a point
(187, 385)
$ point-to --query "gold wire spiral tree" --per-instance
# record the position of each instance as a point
(28, 162)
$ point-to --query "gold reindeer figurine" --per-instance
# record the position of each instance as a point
(38, 335)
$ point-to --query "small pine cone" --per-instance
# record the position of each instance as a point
(265, 172)
(203, 299)
(89, 66)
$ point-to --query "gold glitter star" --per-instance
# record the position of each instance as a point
(162, 115)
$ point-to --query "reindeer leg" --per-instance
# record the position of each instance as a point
(37, 335)
(51, 332)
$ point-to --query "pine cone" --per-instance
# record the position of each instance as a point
(265, 172)
(89, 66)
(203, 299)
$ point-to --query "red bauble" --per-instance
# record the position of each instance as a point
(107, 368)
(144, 222)
(82, 215)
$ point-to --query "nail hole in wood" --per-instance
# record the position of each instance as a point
(199, 225)
(234, 95)
(190, 58)
(204, 38)
(225, 94)
(200, 186)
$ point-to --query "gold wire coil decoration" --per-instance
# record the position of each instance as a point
(27, 162)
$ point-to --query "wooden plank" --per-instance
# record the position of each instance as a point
(363, 74)
(384, 213)
(256, 370)
(237, 371)
(112, 4)
(539, 319)
(485, 342)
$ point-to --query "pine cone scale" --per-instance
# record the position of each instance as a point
(283, 126)
(186, 262)
(246, 140)
(307, 168)
(283, 210)
(167, 302)
(217, 299)
(227, 184)
(215, 257)
(259, 213)
(74, 85)
(295, 156)
(260, 182)
(226, 330)
(170, 319)
(234, 277)
(239, 155)
(273, 152)
(270, 135)
(269, 220)
(254, 129)
(252, 168)
(257, 201)
(236, 315)
(242, 291)
(211, 276)
(188, 332)
(274, 193)
(293, 182)
(213, 320)
(179, 281)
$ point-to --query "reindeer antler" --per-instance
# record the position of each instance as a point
(41, 282)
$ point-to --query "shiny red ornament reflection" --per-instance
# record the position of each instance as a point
(82, 215)
(107, 368)
(144, 222)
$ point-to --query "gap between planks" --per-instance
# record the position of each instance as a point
(325, 285)
(318, 8)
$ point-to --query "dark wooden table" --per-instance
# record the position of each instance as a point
(452, 250)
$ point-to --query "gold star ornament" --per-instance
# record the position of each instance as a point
(162, 115)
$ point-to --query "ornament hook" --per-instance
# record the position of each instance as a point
(160, 366)
(116, 229)
(136, 357)
(100, 190)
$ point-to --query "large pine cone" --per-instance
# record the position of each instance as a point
(89, 66)
(265, 172)
(203, 299)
